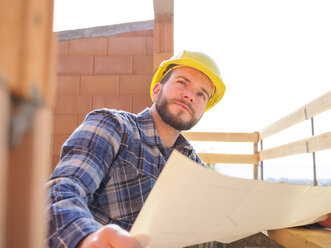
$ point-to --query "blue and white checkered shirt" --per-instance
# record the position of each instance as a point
(107, 169)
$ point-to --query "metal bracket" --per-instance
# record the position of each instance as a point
(261, 162)
(314, 158)
(22, 116)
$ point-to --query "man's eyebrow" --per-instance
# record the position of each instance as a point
(185, 78)
(203, 89)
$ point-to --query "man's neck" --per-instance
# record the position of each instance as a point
(166, 132)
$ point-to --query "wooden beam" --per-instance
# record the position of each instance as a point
(284, 150)
(163, 38)
(4, 137)
(311, 109)
(283, 123)
(28, 169)
(213, 158)
(309, 145)
(301, 237)
(50, 58)
(319, 142)
(34, 57)
(41, 170)
(221, 137)
(27, 65)
(256, 165)
(11, 13)
(319, 105)
(25, 45)
(163, 7)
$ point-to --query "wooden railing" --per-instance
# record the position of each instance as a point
(308, 145)
(300, 237)
(295, 237)
(212, 158)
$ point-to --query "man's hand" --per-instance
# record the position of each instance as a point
(326, 222)
(109, 236)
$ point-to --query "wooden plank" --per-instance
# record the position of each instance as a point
(212, 158)
(309, 145)
(283, 123)
(311, 109)
(319, 105)
(284, 150)
(319, 142)
(11, 13)
(18, 201)
(41, 170)
(163, 7)
(4, 127)
(50, 58)
(301, 237)
(25, 27)
(28, 169)
(27, 55)
(34, 48)
(221, 137)
(256, 165)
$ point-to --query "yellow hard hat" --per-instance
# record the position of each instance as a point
(199, 61)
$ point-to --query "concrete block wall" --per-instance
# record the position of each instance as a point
(95, 72)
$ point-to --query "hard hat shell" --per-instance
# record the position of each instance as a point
(199, 61)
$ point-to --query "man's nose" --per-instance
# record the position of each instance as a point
(188, 96)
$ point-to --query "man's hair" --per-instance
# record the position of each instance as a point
(167, 73)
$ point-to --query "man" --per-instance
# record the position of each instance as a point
(110, 163)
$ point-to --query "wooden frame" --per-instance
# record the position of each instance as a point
(27, 73)
(222, 137)
(313, 108)
(211, 158)
(291, 237)
(299, 237)
(4, 126)
(309, 145)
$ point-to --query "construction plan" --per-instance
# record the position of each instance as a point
(190, 204)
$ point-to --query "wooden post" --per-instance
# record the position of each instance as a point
(261, 162)
(163, 41)
(29, 166)
(314, 156)
(256, 152)
(26, 75)
(4, 124)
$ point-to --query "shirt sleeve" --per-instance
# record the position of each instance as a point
(85, 159)
(197, 159)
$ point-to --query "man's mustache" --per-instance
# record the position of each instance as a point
(184, 103)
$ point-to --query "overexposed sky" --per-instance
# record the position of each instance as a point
(274, 57)
(77, 14)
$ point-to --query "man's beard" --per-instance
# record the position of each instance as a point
(174, 120)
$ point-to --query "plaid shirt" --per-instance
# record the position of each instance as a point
(107, 168)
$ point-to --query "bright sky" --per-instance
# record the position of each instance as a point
(274, 57)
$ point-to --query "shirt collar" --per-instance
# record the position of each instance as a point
(150, 136)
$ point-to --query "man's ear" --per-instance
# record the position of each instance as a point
(156, 90)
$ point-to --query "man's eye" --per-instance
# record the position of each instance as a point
(180, 82)
(202, 95)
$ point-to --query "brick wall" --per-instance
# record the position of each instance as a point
(96, 72)
(163, 38)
